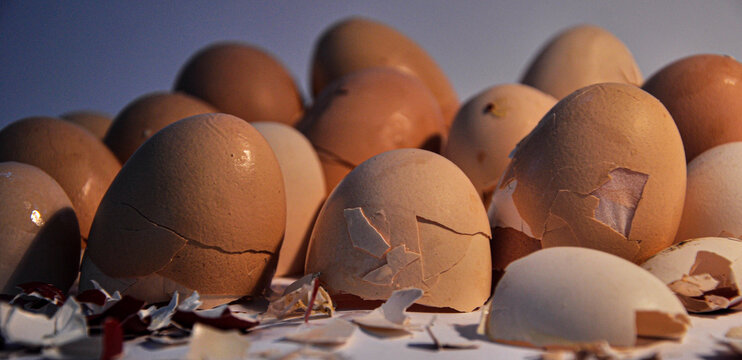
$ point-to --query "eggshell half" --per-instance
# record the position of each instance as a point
(570, 297)
(404, 218)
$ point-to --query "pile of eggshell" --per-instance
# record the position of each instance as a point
(595, 206)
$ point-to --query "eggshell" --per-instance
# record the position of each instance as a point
(702, 93)
(488, 127)
(305, 191)
(568, 297)
(684, 266)
(39, 234)
(603, 169)
(367, 113)
(712, 199)
(93, 121)
(580, 56)
(201, 204)
(244, 81)
(79, 162)
(358, 43)
(147, 115)
(404, 218)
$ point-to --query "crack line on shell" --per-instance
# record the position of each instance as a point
(433, 222)
(334, 157)
(196, 242)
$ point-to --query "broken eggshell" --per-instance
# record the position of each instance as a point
(550, 299)
(705, 273)
(404, 218)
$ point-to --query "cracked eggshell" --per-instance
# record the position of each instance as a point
(201, 203)
(242, 80)
(78, 161)
(367, 113)
(39, 234)
(358, 43)
(93, 121)
(305, 191)
(712, 206)
(487, 128)
(702, 93)
(580, 56)
(147, 115)
(721, 258)
(604, 169)
(548, 298)
(404, 218)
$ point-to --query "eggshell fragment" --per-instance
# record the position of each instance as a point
(704, 273)
(201, 204)
(39, 234)
(305, 191)
(79, 162)
(358, 43)
(93, 121)
(487, 128)
(548, 298)
(578, 57)
(404, 218)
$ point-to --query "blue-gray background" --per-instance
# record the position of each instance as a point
(60, 56)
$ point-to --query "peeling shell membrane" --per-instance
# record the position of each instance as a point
(570, 297)
(704, 273)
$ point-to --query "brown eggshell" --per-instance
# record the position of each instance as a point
(39, 234)
(147, 115)
(702, 93)
(358, 43)
(244, 81)
(79, 162)
(305, 191)
(404, 218)
(581, 56)
(604, 169)
(488, 127)
(367, 113)
(201, 204)
(93, 121)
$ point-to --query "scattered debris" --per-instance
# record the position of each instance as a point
(210, 343)
(390, 318)
(296, 298)
(335, 332)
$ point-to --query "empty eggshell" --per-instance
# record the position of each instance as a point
(39, 234)
(572, 297)
(244, 81)
(702, 93)
(369, 112)
(79, 162)
(358, 43)
(404, 218)
(712, 206)
(705, 273)
(488, 127)
(581, 56)
(200, 205)
(147, 115)
(93, 121)
(305, 191)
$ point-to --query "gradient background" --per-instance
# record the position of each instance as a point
(61, 56)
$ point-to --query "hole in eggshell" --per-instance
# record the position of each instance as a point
(619, 197)
(659, 325)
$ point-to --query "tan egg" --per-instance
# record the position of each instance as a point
(488, 127)
(79, 162)
(145, 116)
(305, 191)
(702, 93)
(581, 56)
(604, 169)
(39, 234)
(357, 43)
(404, 218)
(93, 121)
(575, 297)
(367, 113)
(712, 206)
(704, 273)
(200, 206)
(244, 81)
